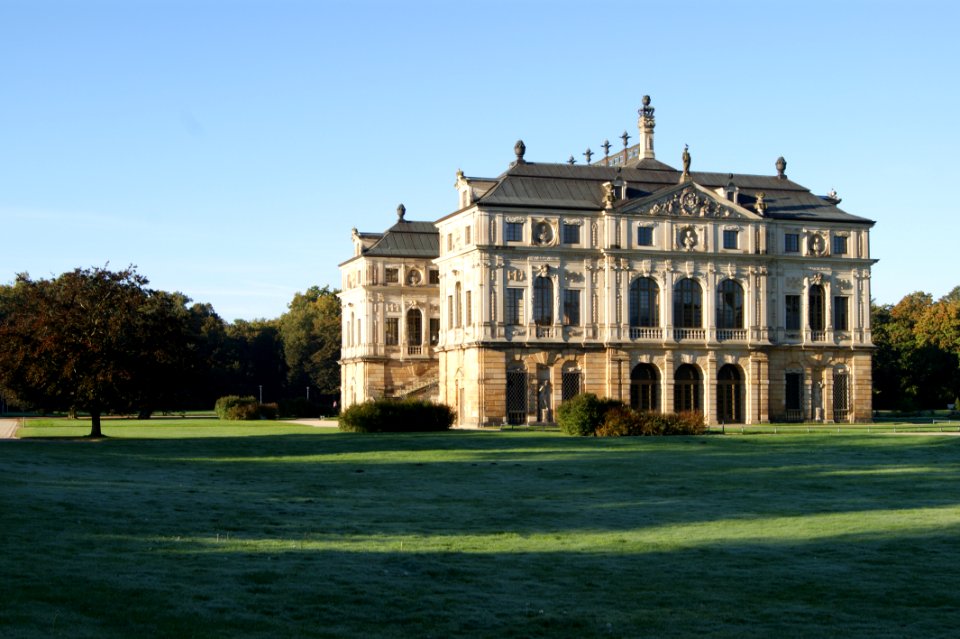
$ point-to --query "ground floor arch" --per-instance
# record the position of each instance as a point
(688, 389)
(730, 394)
(645, 387)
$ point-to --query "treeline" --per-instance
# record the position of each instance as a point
(101, 341)
(917, 362)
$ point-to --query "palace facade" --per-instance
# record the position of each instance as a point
(745, 297)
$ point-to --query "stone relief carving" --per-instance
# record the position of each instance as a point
(687, 238)
(515, 275)
(572, 276)
(688, 202)
(816, 244)
(544, 233)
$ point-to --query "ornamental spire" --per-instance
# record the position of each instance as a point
(646, 123)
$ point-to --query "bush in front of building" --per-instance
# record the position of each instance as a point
(626, 422)
(396, 416)
(583, 414)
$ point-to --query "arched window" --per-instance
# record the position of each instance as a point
(687, 304)
(543, 301)
(729, 305)
(414, 327)
(644, 302)
(816, 308)
(644, 385)
(687, 389)
(730, 394)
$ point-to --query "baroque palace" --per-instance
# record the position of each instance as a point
(745, 297)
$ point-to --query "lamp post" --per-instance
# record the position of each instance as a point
(261, 393)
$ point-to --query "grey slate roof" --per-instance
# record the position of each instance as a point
(407, 239)
(571, 186)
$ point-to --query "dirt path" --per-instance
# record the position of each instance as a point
(8, 428)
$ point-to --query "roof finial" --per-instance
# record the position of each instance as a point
(781, 168)
(686, 164)
(401, 211)
(520, 148)
(626, 138)
(572, 160)
(589, 154)
(606, 148)
(646, 123)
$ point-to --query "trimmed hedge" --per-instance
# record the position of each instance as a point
(587, 415)
(396, 416)
(243, 408)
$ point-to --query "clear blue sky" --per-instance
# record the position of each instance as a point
(227, 148)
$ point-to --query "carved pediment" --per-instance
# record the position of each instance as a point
(688, 200)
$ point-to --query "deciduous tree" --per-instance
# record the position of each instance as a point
(92, 340)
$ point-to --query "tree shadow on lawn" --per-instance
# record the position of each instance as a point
(870, 586)
(484, 535)
(292, 487)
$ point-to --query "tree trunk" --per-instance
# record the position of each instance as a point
(95, 424)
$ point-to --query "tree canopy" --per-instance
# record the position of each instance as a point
(91, 339)
(917, 362)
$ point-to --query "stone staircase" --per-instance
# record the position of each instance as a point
(417, 386)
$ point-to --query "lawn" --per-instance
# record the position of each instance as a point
(213, 530)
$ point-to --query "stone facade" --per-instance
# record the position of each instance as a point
(744, 297)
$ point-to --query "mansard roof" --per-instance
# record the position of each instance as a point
(572, 186)
(406, 238)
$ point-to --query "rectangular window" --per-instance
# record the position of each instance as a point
(468, 235)
(514, 306)
(570, 385)
(391, 275)
(793, 312)
(791, 243)
(571, 308)
(434, 276)
(794, 396)
(731, 239)
(644, 236)
(434, 331)
(571, 234)
(841, 313)
(393, 331)
(449, 241)
(469, 304)
(449, 311)
(513, 232)
(839, 244)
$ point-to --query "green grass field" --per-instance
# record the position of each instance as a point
(190, 529)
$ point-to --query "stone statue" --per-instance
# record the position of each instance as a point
(686, 159)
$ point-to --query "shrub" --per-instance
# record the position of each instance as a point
(581, 415)
(244, 408)
(396, 416)
(625, 422)
(620, 421)
(268, 411)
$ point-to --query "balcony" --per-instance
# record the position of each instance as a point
(646, 333)
(544, 332)
(682, 334)
(731, 334)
